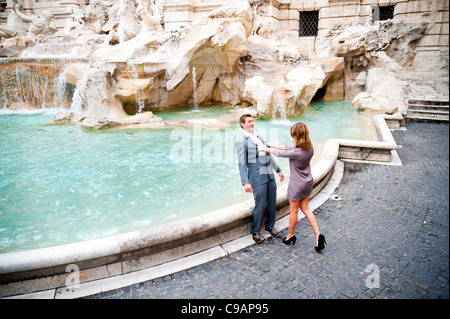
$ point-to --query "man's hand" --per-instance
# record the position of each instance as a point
(281, 176)
(248, 188)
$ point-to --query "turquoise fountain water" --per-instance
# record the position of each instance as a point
(61, 183)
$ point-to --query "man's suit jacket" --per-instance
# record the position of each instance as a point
(254, 169)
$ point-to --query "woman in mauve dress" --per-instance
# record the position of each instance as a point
(300, 181)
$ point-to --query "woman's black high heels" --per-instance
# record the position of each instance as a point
(292, 240)
(321, 243)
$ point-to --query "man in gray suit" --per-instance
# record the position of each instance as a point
(256, 170)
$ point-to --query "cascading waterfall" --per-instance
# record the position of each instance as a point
(194, 75)
(28, 84)
(60, 89)
(35, 80)
(3, 91)
(140, 103)
(33, 83)
(53, 50)
(279, 110)
(77, 103)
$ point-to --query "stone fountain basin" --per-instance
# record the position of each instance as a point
(48, 269)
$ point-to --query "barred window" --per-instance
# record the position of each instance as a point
(309, 23)
(383, 13)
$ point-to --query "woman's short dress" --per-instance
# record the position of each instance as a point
(301, 180)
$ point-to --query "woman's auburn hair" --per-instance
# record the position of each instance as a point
(300, 134)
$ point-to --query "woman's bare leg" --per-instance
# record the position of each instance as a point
(304, 206)
(293, 217)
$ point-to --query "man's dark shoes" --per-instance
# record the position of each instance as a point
(258, 238)
(273, 232)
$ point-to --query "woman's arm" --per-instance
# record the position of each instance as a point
(280, 147)
(271, 148)
(289, 152)
(266, 149)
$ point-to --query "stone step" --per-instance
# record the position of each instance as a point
(442, 108)
(438, 104)
(433, 113)
(414, 118)
(428, 102)
(428, 110)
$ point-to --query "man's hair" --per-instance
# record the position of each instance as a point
(242, 119)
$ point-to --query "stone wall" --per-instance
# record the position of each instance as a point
(183, 12)
(436, 40)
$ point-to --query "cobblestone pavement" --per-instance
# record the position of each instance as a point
(390, 220)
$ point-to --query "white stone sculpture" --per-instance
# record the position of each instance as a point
(14, 24)
(150, 16)
(128, 26)
(6, 32)
(77, 21)
(97, 15)
(122, 24)
(40, 25)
